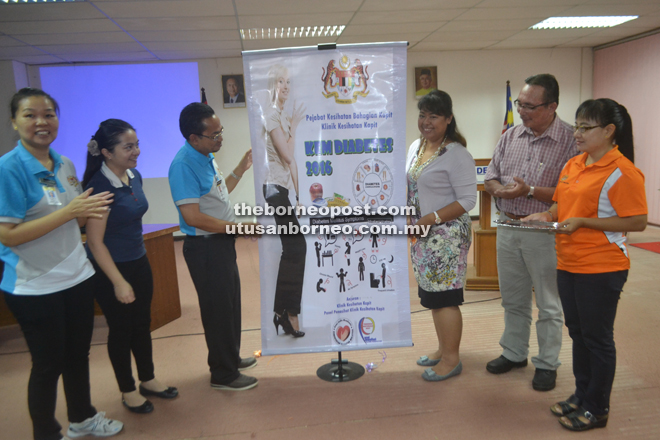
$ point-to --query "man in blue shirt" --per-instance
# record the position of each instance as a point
(201, 195)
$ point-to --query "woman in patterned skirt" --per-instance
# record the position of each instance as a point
(442, 187)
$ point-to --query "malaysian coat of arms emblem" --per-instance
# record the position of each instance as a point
(345, 80)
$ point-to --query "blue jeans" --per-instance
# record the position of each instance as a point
(590, 302)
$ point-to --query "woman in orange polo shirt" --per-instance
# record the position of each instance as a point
(599, 197)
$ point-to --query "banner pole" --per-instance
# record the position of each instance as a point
(340, 370)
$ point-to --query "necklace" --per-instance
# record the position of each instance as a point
(417, 168)
(49, 164)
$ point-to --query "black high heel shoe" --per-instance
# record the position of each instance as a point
(287, 326)
(276, 323)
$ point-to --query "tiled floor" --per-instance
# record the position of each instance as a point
(392, 402)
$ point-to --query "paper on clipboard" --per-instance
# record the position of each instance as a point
(549, 227)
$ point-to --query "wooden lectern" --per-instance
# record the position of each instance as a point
(483, 276)
(165, 306)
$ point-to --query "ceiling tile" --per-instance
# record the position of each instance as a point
(223, 35)
(177, 24)
(410, 37)
(373, 29)
(89, 37)
(8, 52)
(416, 5)
(62, 49)
(586, 42)
(321, 19)
(57, 26)
(192, 45)
(406, 16)
(618, 31)
(197, 54)
(49, 11)
(454, 45)
(489, 25)
(648, 21)
(529, 43)
(618, 2)
(469, 36)
(39, 59)
(542, 13)
(109, 57)
(261, 7)
(6, 41)
(170, 8)
(620, 9)
(529, 3)
(550, 34)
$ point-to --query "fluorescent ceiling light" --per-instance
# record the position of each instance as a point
(292, 32)
(582, 22)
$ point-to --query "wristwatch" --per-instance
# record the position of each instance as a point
(530, 195)
(438, 220)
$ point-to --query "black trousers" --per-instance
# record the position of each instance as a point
(58, 330)
(290, 276)
(128, 324)
(211, 261)
(589, 302)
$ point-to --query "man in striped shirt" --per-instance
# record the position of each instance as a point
(522, 177)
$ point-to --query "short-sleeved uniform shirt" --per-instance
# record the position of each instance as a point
(613, 186)
(28, 191)
(123, 232)
(195, 178)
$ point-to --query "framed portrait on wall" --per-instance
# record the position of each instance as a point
(426, 80)
(233, 91)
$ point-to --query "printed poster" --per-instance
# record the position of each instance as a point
(328, 135)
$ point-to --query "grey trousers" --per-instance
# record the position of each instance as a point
(527, 259)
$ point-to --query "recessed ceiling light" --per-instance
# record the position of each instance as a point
(292, 32)
(582, 22)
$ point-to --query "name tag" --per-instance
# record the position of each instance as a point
(51, 194)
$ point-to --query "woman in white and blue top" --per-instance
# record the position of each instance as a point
(47, 277)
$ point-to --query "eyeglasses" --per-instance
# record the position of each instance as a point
(584, 128)
(520, 106)
(213, 138)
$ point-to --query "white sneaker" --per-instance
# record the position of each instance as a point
(98, 426)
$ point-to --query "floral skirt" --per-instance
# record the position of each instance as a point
(440, 259)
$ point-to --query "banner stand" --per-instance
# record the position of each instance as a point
(340, 370)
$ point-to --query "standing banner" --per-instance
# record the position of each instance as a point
(328, 143)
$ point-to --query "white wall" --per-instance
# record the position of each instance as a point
(476, 81)
(13, 76)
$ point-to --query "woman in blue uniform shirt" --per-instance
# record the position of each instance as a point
(124, 283)
(47, 277)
